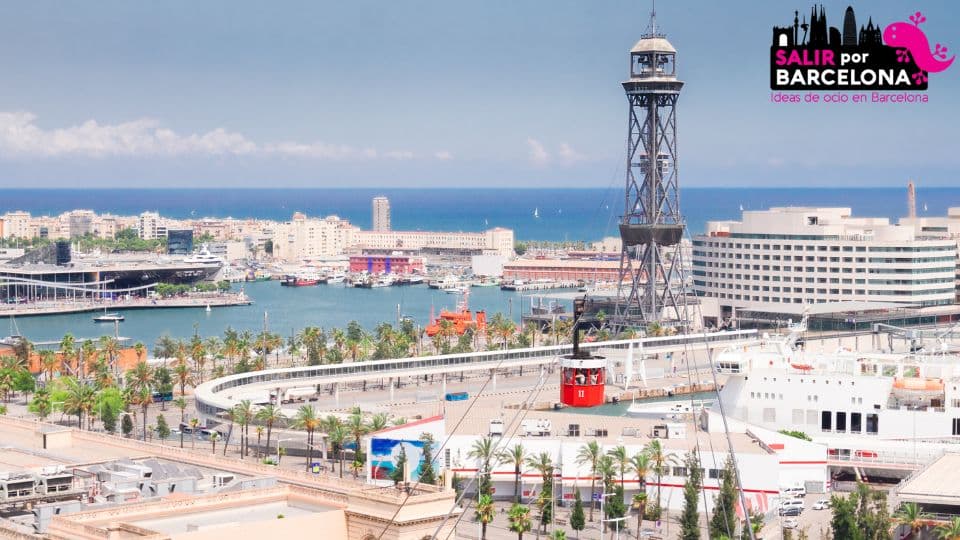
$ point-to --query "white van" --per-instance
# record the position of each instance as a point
(794, 492)
(791, 506)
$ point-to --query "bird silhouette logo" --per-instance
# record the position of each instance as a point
(911, 41)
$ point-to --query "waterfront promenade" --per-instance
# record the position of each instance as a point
(60, 308)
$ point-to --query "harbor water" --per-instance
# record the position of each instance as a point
(288, 309)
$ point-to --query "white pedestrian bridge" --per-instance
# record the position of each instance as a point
(219, 395)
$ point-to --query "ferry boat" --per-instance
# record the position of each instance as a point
(301, 280)
(109, 318)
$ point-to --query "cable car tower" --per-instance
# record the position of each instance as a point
(651, 272)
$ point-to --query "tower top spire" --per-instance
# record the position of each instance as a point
(652, 30)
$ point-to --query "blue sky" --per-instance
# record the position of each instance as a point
(432, 93)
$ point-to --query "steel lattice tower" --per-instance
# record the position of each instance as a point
(651, 227)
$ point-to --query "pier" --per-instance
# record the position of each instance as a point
(65, 307)
(541, 286)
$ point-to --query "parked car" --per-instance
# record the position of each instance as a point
(790, 523)
(821, 504)
(791, 510)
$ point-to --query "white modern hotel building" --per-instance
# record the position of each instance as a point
(816, 255)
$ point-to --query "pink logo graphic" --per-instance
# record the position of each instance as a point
(910, 39)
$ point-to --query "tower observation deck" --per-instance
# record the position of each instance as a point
(651, 228)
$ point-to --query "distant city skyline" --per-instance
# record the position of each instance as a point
(431, 94)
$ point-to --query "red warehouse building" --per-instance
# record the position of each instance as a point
(386, 264)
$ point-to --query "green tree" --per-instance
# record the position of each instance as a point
(639, 504)
(109, 420)
(515, 456)
(544, 465)
(484, 451)
(270, 415)
(723, 521)
(621, 459)
(615, 508)
(484, 513)
(949, 531)
(519, 519)
(589, 454)
(690, 517)
(126, 425)
(41, 405)
(163, 430)
(911, 516)
(844, 519)
(577, 519)
(427, 474)
(398, 474)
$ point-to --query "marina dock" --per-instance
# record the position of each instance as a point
(539, 286)
(60, 308)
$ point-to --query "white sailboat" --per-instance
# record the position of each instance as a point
(536, 213)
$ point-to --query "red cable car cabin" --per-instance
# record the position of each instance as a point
(582, 382)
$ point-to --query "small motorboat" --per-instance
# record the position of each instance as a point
(109, 317)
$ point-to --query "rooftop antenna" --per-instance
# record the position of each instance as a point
(652, 26)
(911, 200)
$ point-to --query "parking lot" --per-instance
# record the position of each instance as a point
(816, 522)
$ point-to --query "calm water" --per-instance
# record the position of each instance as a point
(564, 214)
(620, 409)
(288, 309)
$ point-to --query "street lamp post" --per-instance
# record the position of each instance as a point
(602, 520)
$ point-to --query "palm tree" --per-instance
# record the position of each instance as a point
(183, 375)
(214, 437)
(589, 454)
(484, 514)
(140, 349)
(949, 531)
(357, 428)
(111, 349)
(640, 505)
(659, 461)
(244, 417)
(79, 400)
(516, 456)
(143, 397)
(338, 434)
(306, 419)
(640, 465)
(49, 362)
(194, 424)
(181, 404)
(259, 431)
(519, 518)
(620, 457)
(68, 347)
(911, 516)
(140, 382)
(377, 422)
(484, 451)
(270, 415)
(543, 465)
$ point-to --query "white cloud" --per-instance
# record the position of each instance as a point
(569, 156)
(396, 154)
(443, 155)
(20, 136)
(537, 153)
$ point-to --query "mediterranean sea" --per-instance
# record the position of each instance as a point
(562, 214)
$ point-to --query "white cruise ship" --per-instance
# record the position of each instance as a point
(866, 407)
